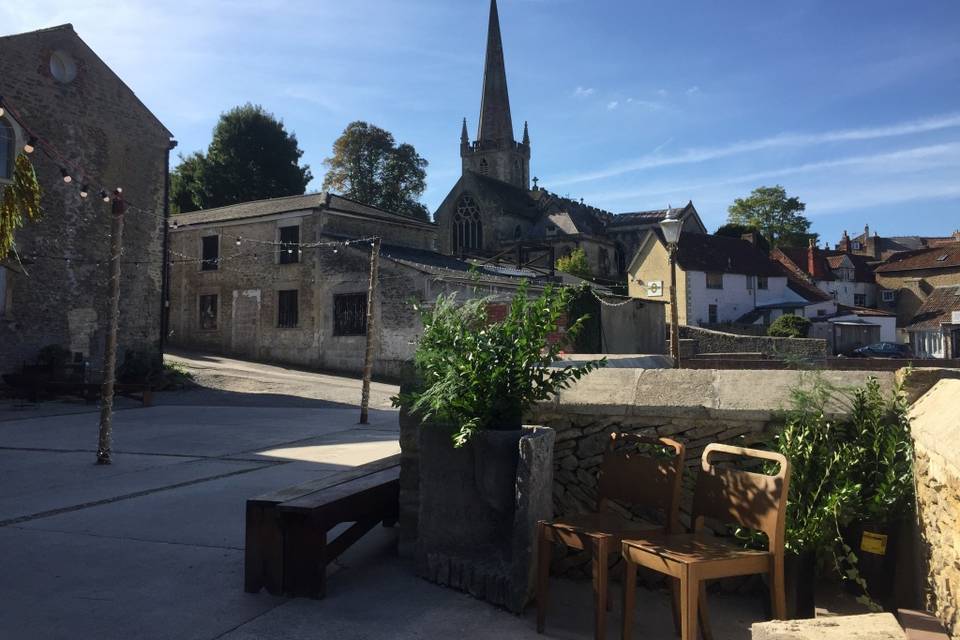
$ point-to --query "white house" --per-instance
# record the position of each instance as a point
(852, 327)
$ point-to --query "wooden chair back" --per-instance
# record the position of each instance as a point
(750, 499)
(641, 478)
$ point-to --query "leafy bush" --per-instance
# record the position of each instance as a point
(789, 326)
(575, 264)
(139, 367)
(481, 375)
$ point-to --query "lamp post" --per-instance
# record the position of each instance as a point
(671, 227)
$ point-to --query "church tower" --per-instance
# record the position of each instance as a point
(495, 153)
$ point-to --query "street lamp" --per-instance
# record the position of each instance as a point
(671, 226)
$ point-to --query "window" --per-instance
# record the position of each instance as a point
(289, 239)
(712, 314)
(750, 283)
(621, 259)
(762, 282)
(821, 312)
(8, 149)
(857, 246)
(288, 309)
(467, 229)
(211, 253)
(484, 167)
(208, 312)
(714, 280)
(859, 299)
(604, 261)
(350, 314)
(888, 296)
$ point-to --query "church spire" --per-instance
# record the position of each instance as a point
(464, 136)
(526, 134)
(495, 122)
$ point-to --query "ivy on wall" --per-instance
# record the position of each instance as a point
(20, 201)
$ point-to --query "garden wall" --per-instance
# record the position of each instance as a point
(935, 420)
(709, 341)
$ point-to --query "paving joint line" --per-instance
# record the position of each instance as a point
(130, 538)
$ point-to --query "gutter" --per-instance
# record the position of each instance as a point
(165, 271)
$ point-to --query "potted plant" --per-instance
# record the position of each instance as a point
(476, 379)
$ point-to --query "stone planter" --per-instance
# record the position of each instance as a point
(478, 509)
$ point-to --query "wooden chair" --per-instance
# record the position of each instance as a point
(753, 500)
(626, 475)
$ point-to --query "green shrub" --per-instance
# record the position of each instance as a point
(575, 264)
(789, 326)
(481, 375)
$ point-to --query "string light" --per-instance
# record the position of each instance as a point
(84, 191)
(31, 145)
(1, 106)
(66, 175)
(239, 238)
(104, 195)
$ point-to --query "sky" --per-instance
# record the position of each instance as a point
(852, 106)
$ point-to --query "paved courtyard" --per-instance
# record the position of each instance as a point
(152, 546)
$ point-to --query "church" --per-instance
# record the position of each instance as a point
(492, 211)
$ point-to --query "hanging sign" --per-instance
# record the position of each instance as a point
(655, 288)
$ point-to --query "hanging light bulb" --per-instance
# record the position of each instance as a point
(290, 251)
(239, 240)
(31, 145)
(118, 190)
(1, 107)
(175, 225)
(84, 191)
(104, 195)
(66, 175)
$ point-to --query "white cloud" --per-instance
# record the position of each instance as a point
(693, 90)
(663, 93)
(583, 92)
(612, 105)
(695, 155)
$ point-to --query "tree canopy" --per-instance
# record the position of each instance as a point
(367, 165)
(251, 157)
(768, 210)
(575, 264)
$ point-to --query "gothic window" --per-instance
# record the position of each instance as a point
(484, 167)
(7, 149)
(604, 261)
(467, 229)
(621, 259)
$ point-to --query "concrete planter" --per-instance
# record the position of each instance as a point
(478, 509)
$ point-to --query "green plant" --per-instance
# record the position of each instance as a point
(575, 264)
(138, 367)
(482, 375)
(20, 200)
(789, 326)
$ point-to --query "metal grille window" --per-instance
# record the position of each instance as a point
(289, 241)
(714, 280)
(350, 314)
(467, 228)
(211, 253)
(288, 308)
(208, 312)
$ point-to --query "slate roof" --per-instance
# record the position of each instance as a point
(273, 206)
(936, 309)
(941, 257)
(571, 214)
(702, 252)
(511, 199)
(862, 271)
(653, 216)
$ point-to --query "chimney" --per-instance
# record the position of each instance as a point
(844, 242)
(866, 231)
(813, 264)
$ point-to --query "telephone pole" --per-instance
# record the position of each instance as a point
(368, 355)
(104, 445)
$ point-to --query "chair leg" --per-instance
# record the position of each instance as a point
(778, 596)
(544, 548)
(601, 552)
(629, 595)
(689, 594)
(675, 603)
(705, 632)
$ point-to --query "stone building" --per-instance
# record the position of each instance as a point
(877, 248)
(492, 209)
(83, 122)
(907, 279)
(285, 280)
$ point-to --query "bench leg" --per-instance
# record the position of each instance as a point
(263, 550)
(304, 558)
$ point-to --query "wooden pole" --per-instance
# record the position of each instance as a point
(368, 356)
(104, 444)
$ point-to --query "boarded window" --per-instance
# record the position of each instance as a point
(289, 244)
(211, 253)
(714, 280)
(208, 312)
(712, 314)
(288, 308)
(350, 314)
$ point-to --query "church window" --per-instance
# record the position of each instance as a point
(484, 167)
(467, 229)
(604, 261)
(621, 259)
(7, 149)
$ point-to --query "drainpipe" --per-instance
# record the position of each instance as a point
(165, 272)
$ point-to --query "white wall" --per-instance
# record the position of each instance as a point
(734, 300)
(844, 292)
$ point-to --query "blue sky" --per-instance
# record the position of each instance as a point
(852, 106)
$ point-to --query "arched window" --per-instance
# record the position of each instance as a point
(621, 259)
(8, 149)
(467, 229)
(484, 167)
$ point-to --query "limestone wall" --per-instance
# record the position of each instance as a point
(935, 420)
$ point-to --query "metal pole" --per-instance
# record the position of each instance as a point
(674, 314)
(104, 444)
(368, 356)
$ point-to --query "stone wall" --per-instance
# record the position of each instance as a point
(936, 432)
(709, 341)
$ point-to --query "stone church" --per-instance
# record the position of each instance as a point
(492, 210)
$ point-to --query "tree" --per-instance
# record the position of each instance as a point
(735, 230)
(789, 326)
(575, 264)
(251, 157)
(768, 210)
(368, 166)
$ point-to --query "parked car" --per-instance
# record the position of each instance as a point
(883, 350)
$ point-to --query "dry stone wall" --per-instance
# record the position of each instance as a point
(709, 341)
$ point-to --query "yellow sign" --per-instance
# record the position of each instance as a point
(874, 543)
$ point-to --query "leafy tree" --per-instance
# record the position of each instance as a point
(251, 157)
(575, 264)
(768, 210)
(368, 166)
(789, 326)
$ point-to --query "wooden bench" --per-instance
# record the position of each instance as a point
(287, 550)
(919, 625)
